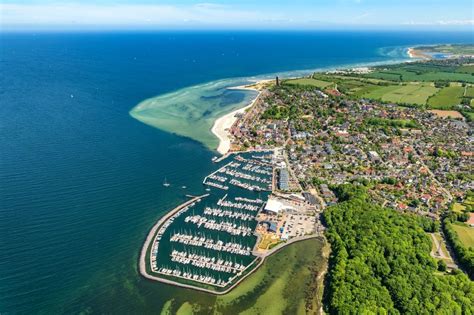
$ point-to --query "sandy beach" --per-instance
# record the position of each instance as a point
(413, 53)
(223, 124)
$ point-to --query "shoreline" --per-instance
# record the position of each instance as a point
(222, 125)
(416, 54)
(218, 127)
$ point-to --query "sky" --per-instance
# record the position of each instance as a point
(237, 14)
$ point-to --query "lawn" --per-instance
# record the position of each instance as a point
(446, 98)
(308, 81)
(465, 233)
(410, 93)
(466, 69)
(457, 207)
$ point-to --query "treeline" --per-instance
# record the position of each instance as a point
(381, 263)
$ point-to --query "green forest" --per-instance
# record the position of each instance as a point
(381, 263)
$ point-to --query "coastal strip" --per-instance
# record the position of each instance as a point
(417, 54)
(223, 124)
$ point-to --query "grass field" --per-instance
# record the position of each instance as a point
(456, 49)
(470, 115)
(465, 233)
(286, 283)
(470, 91)
(411, 93)
(267, 240)
(457, 207)
(446, 98)
(422, 72)
(466, 69)
(185, 309)
(308, 81)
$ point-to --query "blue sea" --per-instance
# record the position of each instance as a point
(81, 179)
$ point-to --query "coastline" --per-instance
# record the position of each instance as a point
(219, 129)
(222, 125)
(416, 54)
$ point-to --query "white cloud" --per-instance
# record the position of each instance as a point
(201, 15)
(442, 23)
(456, 22)
(123, 14)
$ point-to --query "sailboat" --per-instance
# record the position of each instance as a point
(165, 183)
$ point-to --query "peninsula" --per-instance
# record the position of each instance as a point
(391, 143)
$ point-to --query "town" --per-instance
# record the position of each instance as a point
(290, 154)
(414, 159)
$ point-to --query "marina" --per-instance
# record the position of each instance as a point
(207, 242)
(252, 173)
(213, 241)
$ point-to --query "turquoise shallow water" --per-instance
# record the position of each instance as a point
(81, 180)
(191, 111)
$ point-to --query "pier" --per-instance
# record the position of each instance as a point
(207, 246)
(152, 235)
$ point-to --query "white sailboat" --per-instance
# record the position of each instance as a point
(165, 183)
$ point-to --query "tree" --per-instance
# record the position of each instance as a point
(442, 265)
(381, 263)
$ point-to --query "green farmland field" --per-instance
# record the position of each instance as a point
(465, 233)
(446, 98)
(308, 81)
(411, 93)
(466, 69)
(405, 75)
(470, 91)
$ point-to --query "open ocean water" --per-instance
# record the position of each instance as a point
(81, 180)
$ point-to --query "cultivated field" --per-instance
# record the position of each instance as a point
(465, 233)
(405, 84)
(470, 91)
(446, 113)
(446, 98)
(310, 82)
(411, 93)
(466, 69)
(422, 72)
